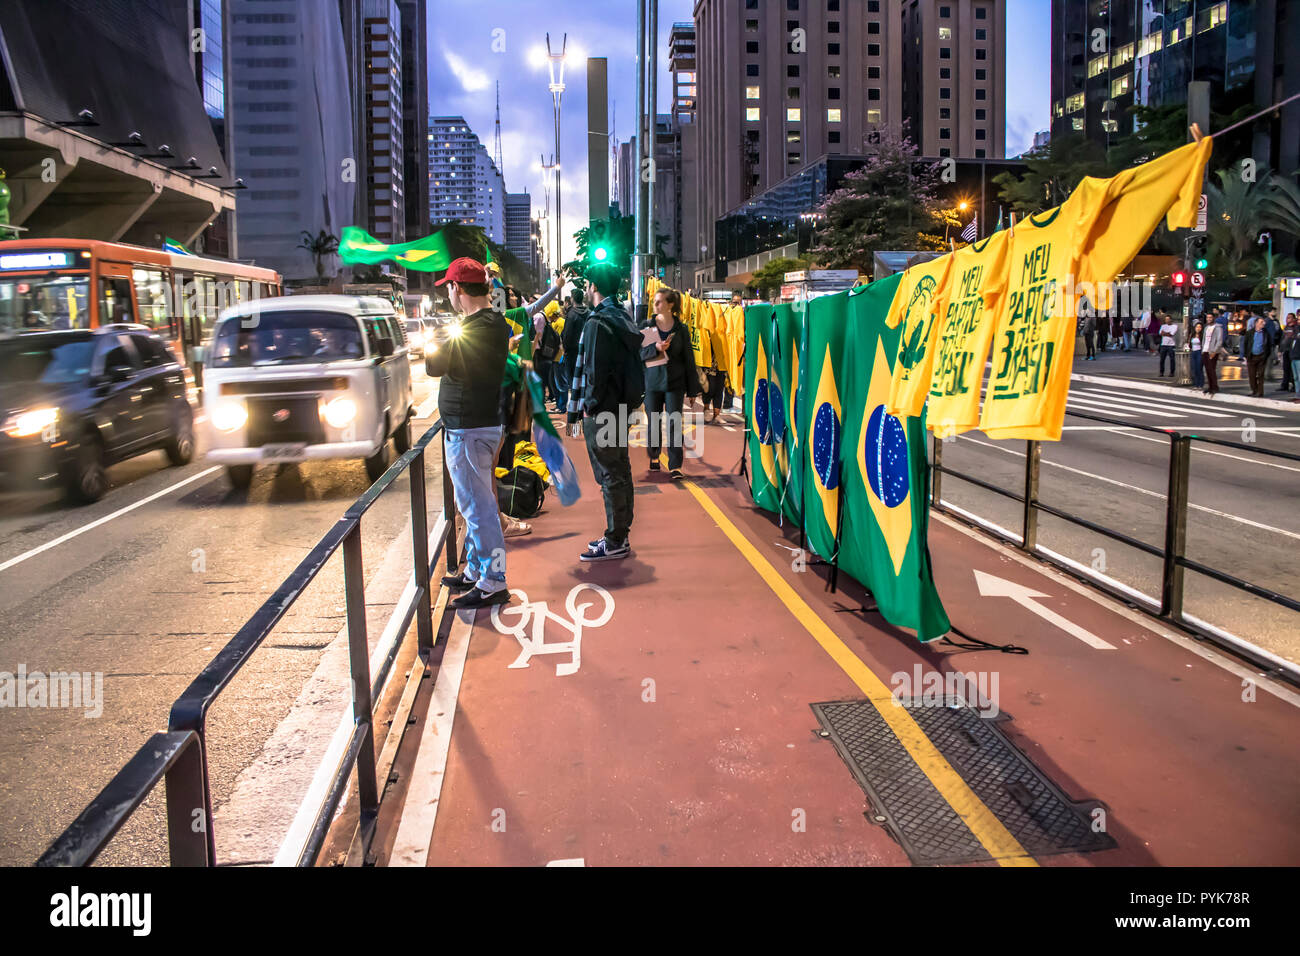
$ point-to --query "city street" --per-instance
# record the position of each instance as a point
(145, 587)
(1241, 516)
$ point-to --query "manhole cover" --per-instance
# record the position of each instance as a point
(721, 481)
(1032, 808)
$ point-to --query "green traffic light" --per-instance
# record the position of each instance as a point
(601, 254)
(1202, 264)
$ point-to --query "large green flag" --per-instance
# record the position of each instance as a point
(821, 420)
(358, 247)
(764, 419)
(884, 474)
(787, 357)
(521, 324)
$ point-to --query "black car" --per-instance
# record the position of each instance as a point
(74, 402)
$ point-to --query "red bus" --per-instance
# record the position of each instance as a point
(85, 283)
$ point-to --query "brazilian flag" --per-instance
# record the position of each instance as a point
(764, 410)
(358, 247)
(822, 420)
(520, 324)
(787, 357)
(884, 474)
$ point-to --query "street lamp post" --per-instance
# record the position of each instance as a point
(555, 62)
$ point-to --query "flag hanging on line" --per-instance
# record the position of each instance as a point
(972, 229)
(174, 247)
(999, 228)
(358, 247)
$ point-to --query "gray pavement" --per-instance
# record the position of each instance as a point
(144, 588)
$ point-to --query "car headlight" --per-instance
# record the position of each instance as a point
(340, 412)
(229, 416)
(31, 422)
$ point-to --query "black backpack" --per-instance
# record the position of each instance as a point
(631, 369)
(548, 347)
(521, 492)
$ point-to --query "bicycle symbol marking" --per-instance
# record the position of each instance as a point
(532, 640)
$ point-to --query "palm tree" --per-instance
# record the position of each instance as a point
(1235, 217)
(320, 245)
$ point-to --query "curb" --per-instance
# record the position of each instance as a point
(1278, 403)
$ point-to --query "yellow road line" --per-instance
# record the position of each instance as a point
(986, 827)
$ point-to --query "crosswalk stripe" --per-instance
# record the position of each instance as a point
(1075, 402)
(1163, 403)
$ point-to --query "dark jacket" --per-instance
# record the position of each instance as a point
(472, 365)
(574, 320)
(1248, 337)
(607, 344)
(680, 374)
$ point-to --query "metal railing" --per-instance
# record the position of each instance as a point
(1172, 554)
(179, 755)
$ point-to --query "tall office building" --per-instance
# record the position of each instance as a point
(519, 224)
(464, 183)
(683, 64)
(293, 128)
(415, 117)
(209, 56)
(1109, 57)
(381, 120)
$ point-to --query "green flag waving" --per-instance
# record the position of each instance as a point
(822, 420)
(358, 247)
(786, 357)
(521, 324)
(764, 419)
(884, 474)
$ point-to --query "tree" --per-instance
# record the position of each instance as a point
(320, 245)
(1053, 173)
(770, 276)
(889, 203)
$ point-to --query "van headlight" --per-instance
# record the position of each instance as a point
(229, 416)
(340, 412)
(32, 422)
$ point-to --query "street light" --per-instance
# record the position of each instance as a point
(555, 65)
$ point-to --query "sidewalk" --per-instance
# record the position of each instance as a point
(675, 727)
(1138, 366)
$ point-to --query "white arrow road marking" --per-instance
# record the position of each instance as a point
(579, 861)
(992, 586)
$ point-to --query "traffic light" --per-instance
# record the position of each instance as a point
(1199, 253)
(600, 253)
(1179, 281)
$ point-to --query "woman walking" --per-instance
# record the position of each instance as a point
(1198, 369)
(670, 377)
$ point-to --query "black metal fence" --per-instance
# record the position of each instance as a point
(1172, 555)
(179, 755)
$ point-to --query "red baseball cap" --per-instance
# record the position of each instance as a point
(465, 270)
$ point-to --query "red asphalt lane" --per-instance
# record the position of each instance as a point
(724, 767)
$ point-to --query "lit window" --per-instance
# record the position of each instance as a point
(945, 33)
(752, 114)
(873, 116)
(751, 92)
(792, 114)
(1098, 64)
(1120, 85)
(832, 116)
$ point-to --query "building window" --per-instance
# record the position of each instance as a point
(832, 49)
(873, 116)
(832, 72)
(945, 12)
(752, 93)
(873, 72)
(945, 132)
(873, 49)
(981, 74)
(979, 134)
(751, 69)
(833, 93)
(945, 33)
(1120, 85)
(981, 54)
(752, 114)
(873, 93)
(751, 46)
(981, 33)
(945, 53)
(833, 26)
(833, 5)
(751, 26)
(981, 13)
(979, 154)
(944, 151)
(981, 94)
(945, 73)
(792, 137)
(792, 93)
(792, 4)
(1121, 56)
(873, 27)
(792, 159)
(791, 26)
(945, 112)
(873, 6)
(833, 116)
(751, 4)
(833, 136)
(1076, 122)
(792, 71)
(945, 92)
(981, 114)
(792, 114)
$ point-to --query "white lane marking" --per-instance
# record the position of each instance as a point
(1212, 451)
(1080, 405)
(1222, 400)
(1144, 491)
(425, 410)
(538, 612)
(1148, 409)
(579, 861)
(1192, 645)
(420, 811)
(729, 428)
(1161, 403)
(104, 520)
(314, 798)
(992, 586)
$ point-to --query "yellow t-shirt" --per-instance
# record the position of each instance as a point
(916, 305)
(1060, 254)
(975, 286)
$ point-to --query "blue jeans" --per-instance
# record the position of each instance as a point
(471, 458)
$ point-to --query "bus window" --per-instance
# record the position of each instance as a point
(115, 303)
(152, 297)
(45, 302)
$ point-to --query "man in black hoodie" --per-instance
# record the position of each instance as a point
(603, 390)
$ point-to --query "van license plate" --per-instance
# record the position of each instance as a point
(290, 452)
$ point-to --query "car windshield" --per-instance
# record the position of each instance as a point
(51, 363)
(45, 302)
(281, 338)
(413, 325)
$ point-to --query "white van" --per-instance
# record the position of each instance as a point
(306, 377)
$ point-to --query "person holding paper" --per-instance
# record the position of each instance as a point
(670, 376)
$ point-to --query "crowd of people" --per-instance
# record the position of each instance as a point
(598, 366)
(1263, 343)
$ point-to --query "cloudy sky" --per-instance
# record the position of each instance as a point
(472, 45)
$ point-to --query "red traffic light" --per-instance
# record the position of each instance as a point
(1179, 278)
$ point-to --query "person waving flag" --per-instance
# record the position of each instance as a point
(971, 231)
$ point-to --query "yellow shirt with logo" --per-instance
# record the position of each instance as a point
(916, 305)
(976, 282)
(1056, 256)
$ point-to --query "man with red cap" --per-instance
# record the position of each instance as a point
(471, 366)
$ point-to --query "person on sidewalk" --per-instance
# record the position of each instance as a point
(1126, 331)
(1213, 349)
(1286, 349)
(1103, 331)
(668, 384)
(608, 384)
(471, 366)
(1090, 336)
(575, 317)
(1198, 368)
(1168, 341)
(1255, 349)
